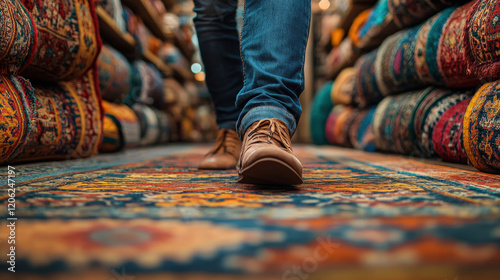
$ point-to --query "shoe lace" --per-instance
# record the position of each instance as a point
(271, 132)
(226, 142)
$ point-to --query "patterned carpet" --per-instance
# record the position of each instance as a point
(150, 214)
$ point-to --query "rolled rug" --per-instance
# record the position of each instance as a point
(115, 75)
(66, 121)
(134, 94)
(112, 140)
(410, 12)
(68, 39)
(451, 57)
(427, 101)
(359, 22)
(164, 126)
(115, 10)
(366, 89)
(149, 124)
(432, 118)
(345, 55)
(361, 134)
(482, 129)
(344, 86)
(342, 125)
(378, 123)
(395, 64)
(482, 40)
(426, 48)
(377, 27)
(19, 37)
(17, 100)
(447, 135)
(331, 121)
(321, 107)
(127, 122)
(392, 125)
(153, 91)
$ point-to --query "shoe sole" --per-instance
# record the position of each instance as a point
(270, 171)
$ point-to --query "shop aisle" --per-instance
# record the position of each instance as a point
(150, 214)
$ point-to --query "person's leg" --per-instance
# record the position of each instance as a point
(274, 39)
(273, 46)
(215, 25)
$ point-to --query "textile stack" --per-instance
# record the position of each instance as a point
(428, 70)
(50, 99)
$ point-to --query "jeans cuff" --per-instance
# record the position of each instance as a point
(266, 112)
(227, 125)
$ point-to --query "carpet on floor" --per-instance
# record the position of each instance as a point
(150, 214)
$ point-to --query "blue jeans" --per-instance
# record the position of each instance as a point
(262, 76)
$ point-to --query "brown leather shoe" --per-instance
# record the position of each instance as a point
(267, 157)
(225, 153)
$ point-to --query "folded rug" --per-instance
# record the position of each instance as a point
(343, 89)
(129, 130)
(18, 37)
(68, 39)
(482, 129)
(447, 135)
(115, 75)
(410, 12)
(482, 41)
(66, 121)
(321, 107)
(17, 106)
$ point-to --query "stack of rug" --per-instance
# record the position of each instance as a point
(373, 25)
(50, 97)
(455, 51)
(139, 100)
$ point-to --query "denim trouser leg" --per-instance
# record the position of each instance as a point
(273, 47)
(215, 24)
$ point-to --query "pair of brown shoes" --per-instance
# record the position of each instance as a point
(266, 156)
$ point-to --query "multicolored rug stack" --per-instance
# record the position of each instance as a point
(56, 114)
(455, 51)
(151, 214)
(135, 103)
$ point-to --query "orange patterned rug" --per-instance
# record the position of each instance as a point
(150, 214)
